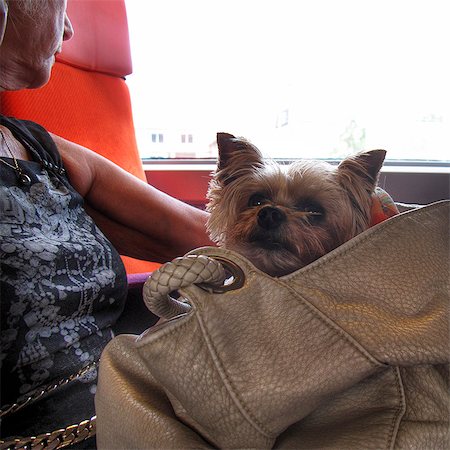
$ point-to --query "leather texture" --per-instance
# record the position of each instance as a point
(349, 352)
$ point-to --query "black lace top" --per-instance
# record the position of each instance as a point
(62, 286)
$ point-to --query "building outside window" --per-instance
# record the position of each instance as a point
(319, 79)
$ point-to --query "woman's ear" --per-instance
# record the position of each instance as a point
(3, 18)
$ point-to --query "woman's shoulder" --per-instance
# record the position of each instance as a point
(34, 136)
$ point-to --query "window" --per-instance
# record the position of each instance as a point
(299, 78)
(157, 138)
(186, 139)
(283, 118)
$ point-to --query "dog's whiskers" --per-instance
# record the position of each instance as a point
(284, 219)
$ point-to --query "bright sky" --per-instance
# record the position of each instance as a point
(231, 65)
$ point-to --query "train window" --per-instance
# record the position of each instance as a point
(310, 78)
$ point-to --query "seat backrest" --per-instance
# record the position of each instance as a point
(87, 100)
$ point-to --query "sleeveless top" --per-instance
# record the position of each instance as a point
(62, 284)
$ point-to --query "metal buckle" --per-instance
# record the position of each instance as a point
(235, 277)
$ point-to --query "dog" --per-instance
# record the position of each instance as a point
(284, 217)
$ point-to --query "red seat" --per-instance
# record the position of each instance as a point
(87, 100)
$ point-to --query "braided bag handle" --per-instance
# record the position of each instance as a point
(179, 273)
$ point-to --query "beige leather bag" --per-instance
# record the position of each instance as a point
(350, 352)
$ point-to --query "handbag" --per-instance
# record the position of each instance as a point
(349, 352)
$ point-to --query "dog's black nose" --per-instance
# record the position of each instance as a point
(270, 218)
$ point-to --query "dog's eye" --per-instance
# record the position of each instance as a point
(257, 200)
(315, 212)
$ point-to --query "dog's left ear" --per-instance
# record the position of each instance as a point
(362, 168)
(237, 157)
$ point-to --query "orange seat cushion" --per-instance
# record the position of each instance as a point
(89, 108)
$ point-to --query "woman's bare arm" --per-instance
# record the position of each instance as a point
(140, 220)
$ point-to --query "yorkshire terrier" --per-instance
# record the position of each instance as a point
(283, 217)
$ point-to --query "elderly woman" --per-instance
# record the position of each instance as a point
(63, 285)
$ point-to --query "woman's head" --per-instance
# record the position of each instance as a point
(34, 32)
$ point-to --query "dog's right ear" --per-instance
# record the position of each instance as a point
(237, 156)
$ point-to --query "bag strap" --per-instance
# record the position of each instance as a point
(11, 409)
(174, 275)
(56, 439)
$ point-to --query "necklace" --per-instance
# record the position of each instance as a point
(22, 177)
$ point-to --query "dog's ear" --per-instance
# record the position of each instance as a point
(361, 169)
(237, 156)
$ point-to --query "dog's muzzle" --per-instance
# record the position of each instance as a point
(270, 218)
